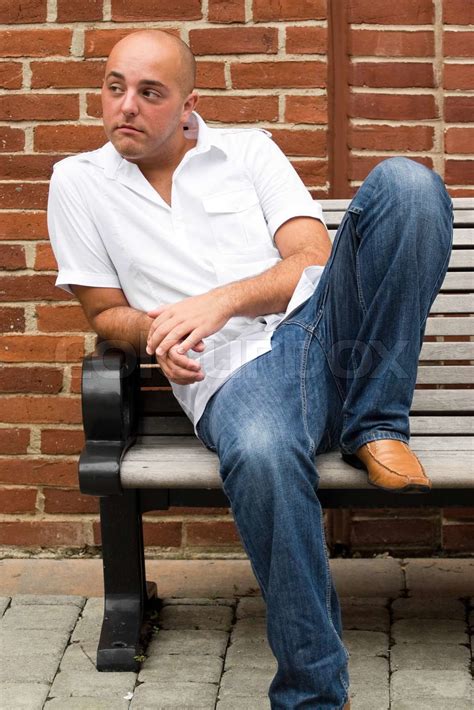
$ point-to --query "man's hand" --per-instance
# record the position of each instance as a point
(182, 326)
(180, 369)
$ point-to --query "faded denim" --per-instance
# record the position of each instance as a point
(341, 372)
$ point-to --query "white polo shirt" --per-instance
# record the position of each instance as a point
(230, 193)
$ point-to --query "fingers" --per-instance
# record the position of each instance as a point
(179, 368)
(191, 341)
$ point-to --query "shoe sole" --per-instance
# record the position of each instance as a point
(410, 488)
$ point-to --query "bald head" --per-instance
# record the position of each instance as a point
(161, 47)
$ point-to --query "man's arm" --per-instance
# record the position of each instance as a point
(301, 241)
(110, 315)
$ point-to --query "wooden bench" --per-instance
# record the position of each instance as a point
(141, 453)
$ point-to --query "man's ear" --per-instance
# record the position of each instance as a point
(190, 103)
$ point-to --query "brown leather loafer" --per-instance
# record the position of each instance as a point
(391, 465)
(347, 706)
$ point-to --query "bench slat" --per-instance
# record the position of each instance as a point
(462, 259)
(462, 217)
(459, 203)
(443, 400)
(447, 351)
(449, 326)
(445, 374)
(184, 462)
(448, 424)
(458, 281)
(453, 303)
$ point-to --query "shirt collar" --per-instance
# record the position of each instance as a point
(111, 161)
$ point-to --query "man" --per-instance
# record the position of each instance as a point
(204, 244)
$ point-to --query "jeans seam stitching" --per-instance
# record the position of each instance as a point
(304, 403)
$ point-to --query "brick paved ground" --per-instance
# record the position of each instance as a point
(411, 646)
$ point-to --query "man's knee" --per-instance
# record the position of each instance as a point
(412, 181)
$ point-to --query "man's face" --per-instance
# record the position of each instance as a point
(143, 104)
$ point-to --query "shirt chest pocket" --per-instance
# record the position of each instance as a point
(236, 221)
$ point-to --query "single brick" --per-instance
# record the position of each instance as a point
(17, 500)
(306, 40)
(23, 11)
(390, 74)
(11, 75)
(41, 348)
(391, 43)
(23, 195)
(38, 472)
(68, 139)
(31, 379)
(11, 139)
(79, 10)
(229, 11)
(237, 109)
(60, 319)
(393, 107)
(38, 107)
(35, 43)
(61, 441)
(65, 75)
(141, 10)
(234, 40)
(282, 10)
(269, 75)
(405, 12)
(14, 441)
(306, 109)
(12, 320)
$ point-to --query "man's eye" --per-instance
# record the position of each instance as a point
(150, 94)
(115, 88)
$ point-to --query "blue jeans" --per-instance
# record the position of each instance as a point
(341, 372)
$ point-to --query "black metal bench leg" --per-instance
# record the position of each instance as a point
(125, 588)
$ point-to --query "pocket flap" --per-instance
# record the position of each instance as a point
(235, 201)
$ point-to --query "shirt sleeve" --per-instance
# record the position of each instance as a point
(75, 240)
(282, 193)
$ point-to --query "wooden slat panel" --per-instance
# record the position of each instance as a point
(463, 237)
(424, 400)
(449, 326)
(445, 374)
(459, 203)
(447, 351)
(178, 462)
(441, 424)
(453, 303)
(419, 424)
(462, 218)
(443, 401)
(462, 259)
(458, 281)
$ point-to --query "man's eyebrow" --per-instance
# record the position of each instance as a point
(153, 82)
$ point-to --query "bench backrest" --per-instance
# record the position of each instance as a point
(443, 400)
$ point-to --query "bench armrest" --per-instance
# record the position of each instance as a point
(110, 389)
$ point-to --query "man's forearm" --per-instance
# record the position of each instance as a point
(124, 323)
(269, 292)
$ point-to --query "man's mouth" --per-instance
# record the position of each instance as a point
(127, 128)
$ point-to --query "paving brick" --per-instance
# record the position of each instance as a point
(366, 643)
(366, 670)
(30, 642)
(413, 631)
(176, 696)
(92, 684)
(188, 641)
(87, 629)
(80, 657)
(439, 608)
(4, 602)
(240, 703)
(23, 696)
(251, 653)
(195, 617)
(447, 577)
(40, 617)
(237, 682)
(251, 607)
(87, 704)
(429, 656)
(351, 577)
(37, 668)
(198, 601)
(369, 697)
(429, 703)
(447, 685)
(48, 599)
(365, 617)
(181, 668)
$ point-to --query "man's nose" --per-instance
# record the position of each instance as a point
(129, 104)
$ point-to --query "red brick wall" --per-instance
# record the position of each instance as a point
(259, 62)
